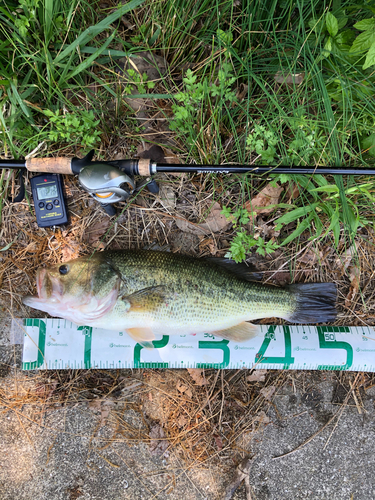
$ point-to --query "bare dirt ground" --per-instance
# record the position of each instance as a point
(174, 434)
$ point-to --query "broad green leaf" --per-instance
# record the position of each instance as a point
(93, 31)
(318, 225)
(326, 189)
(335, 228)
(342, 22)
(296, 214)
(332, 24)
(368, 194)
(351, 219)
(300, 229)
(320, 180)
(327, 47)
(345, 38)
(363, 41)
(154, 37)
(370, 58)
(368, 143)
(365, 24)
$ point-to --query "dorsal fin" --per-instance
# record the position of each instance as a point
(245, 271)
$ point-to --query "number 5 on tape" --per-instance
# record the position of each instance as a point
(327, 340)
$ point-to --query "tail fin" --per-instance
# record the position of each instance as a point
(316, 303)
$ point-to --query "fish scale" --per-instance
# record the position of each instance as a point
(148, 293)
(197, 291)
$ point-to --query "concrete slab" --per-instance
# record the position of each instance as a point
(65, 454)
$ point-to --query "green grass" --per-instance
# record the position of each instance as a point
(223, 102)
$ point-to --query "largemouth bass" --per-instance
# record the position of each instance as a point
(147, 293)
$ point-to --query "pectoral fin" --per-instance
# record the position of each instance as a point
(239, 333)
(143, 336)
(146, 299)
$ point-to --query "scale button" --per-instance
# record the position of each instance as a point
(49, 206)
(56, 202)
(41, 204)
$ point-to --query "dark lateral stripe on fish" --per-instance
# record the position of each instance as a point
(316, 302)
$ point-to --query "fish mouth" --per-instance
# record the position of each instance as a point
(40, 276)
(48, 287)
(80, 308)
(49, 290)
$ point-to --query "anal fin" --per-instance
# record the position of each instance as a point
(239, 333)
(143, 336)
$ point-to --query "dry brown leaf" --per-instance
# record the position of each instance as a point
(95, 404)
(308, 257)
(267, 230)
(155, 152)
(257, 376)
(158, 443)
(145, 62)
(268, 392)
(184, 389)
(289, 78)
(170, 157)
(104, 407)
(354, 275)
(167, 196)
(215, 222)
(241, 473)
(70, 249)
(269, 195)
(181, 421)
(346, 258)
(292, 192)
(198, 376)
(262, 417)
(242, 92)
(208, 244)
(219, 442)
(31, 247)
(104, 412)
(97, 230)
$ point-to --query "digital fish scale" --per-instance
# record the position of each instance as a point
(60, 344)
(49, 202)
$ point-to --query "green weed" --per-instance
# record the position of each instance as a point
(243, 243)
(80, 128)
(265, 82)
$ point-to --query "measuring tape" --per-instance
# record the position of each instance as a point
(60, 344)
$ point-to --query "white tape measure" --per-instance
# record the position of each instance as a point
(59, 344)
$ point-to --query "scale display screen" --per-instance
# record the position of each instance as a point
(47, 192)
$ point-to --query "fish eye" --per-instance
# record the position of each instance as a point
(63, 269)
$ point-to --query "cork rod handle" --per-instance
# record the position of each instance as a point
(52, 165)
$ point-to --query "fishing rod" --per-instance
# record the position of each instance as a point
(109, 182)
